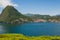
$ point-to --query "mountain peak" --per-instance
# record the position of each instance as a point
(9, 14)
(9, 6)
(10, 10)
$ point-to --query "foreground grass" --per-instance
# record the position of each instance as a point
(22, 37)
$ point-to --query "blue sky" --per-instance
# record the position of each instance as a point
(43, 7)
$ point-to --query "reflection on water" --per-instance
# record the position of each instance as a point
(2, 29)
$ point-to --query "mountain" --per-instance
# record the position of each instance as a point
(38, 16)
(11, 15)
(29, 14)
(45, 18)
(58, 15)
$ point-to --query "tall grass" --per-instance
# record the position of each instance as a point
(23, 37)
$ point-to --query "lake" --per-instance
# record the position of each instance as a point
(32, 29)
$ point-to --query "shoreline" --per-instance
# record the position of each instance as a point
(23, 37)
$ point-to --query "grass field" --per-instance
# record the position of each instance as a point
(23, 37)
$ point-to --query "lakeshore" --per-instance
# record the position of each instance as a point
(23, 37)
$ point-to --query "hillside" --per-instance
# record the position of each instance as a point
(44, 18)
(11, 15)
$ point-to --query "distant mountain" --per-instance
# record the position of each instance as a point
(58, 15)
(11, 15)
(29, 14)
(38, 16)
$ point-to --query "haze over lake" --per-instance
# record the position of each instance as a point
(32, 29)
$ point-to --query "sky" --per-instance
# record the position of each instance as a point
(43, 7)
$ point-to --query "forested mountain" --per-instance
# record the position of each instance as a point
(11, 15)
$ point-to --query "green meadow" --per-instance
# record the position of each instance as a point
(23, 37)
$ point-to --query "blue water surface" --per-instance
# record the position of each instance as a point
(33, 29)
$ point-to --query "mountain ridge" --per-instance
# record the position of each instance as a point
(11, 15)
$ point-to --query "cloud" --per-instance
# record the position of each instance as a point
(4, 3)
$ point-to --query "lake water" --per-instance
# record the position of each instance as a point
(32, 29)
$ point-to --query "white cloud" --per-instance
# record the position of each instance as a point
(4, 3)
